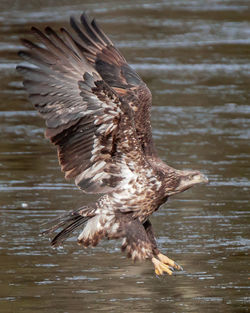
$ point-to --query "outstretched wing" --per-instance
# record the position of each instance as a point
(114, 70)
(92, 128)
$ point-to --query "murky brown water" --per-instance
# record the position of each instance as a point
(195, 57)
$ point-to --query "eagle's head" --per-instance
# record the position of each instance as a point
(190, 178)
(186, 179)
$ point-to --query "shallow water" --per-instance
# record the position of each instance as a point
(195, 57)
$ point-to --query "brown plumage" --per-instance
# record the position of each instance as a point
(97, 113)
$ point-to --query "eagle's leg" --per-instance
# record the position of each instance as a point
(139, 243)
(138, 246)
(136, 242)
(161, 257)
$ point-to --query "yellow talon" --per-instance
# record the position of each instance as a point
(160, 267)
(164, 259)
(157, 272)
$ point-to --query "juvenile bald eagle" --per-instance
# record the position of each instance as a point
(97, 112)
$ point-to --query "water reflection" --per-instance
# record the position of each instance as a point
(195, 58)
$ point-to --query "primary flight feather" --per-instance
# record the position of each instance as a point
(97, 113)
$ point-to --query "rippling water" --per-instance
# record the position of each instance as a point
(195, 57)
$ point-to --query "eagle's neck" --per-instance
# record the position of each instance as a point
(175, 181)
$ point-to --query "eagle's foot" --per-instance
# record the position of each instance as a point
(160, 267)
(164, 259)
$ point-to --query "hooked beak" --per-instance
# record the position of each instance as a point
(190, 179)
(201, 178)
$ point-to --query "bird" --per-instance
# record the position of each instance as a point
(97, 114)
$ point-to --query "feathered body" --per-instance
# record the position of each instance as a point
(97, 112)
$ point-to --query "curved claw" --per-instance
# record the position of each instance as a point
(178, 267)
(160, 267)
(164, 259)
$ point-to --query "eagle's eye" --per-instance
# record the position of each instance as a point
(195, 176)
(198, 177)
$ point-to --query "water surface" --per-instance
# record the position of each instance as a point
(195, 57)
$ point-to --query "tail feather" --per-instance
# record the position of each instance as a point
(67, 231)
(69, 222)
